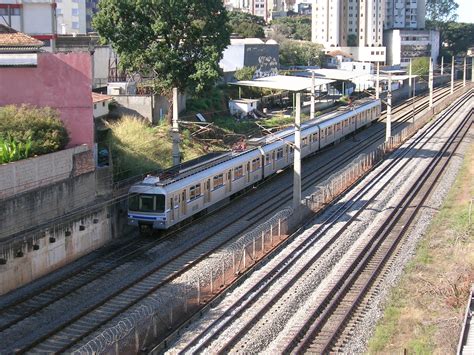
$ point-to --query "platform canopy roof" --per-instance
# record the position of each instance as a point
(335, 74)
(283, 82)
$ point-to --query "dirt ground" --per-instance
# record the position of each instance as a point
(424, 313)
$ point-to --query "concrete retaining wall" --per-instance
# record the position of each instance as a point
(36, 254)
(28, 174)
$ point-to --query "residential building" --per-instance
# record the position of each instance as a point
(75, 16)
(354, 26)
(267, 9)
(35, 18)
(58, 80)
(405, 44)
(347, 23)
(405, 14)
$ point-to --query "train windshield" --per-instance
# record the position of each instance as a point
(147, 203)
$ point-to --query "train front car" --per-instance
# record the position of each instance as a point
(147, 205)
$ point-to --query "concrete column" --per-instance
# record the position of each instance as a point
(377, 82)
(472, 70)
(430, 83)
(452, 75)
(312, 109)
(297, 155)
(388, 125)
(313, 22)
(409, 79)
(464, 73)
(175, 129)
(442, 65)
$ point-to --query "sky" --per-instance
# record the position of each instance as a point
(465, 10)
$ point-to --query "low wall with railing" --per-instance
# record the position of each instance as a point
(29, 174)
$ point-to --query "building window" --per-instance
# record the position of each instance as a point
(75, 12)
(95, 106)
(75, 25)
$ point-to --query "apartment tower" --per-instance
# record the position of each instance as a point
(348, 23)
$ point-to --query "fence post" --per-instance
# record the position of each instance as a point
(212, 282)
(245, 262)
(223, 272)
(253, 248)
(263, 242)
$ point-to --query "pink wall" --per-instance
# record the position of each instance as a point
(62, 81)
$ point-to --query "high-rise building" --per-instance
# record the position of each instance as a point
(356, 25)
(405, 14)
(75, 16)
(35, 18)
(353, 23)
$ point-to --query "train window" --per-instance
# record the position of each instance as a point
(322, 133)
(255, 164)
(147, 203)
(218, 181)
(315, 137)
(268, 158)
(346, 123)
(238, 172)
(292, 150)
(304, 141)
(279, 153)
(329, 131)
(194, 192)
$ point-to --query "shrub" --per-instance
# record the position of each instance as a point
(40, 127)
(11, 150)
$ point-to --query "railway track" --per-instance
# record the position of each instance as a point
(226, 330)
(24, 311)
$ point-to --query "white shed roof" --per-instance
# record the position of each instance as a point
(283, 82)
(336, 74)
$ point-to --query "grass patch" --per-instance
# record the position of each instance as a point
(138, 148)
(424, 313)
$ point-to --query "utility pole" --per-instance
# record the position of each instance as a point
(409, 78)
(377, 82)
(175, 129)
(413, 101)
(430, 83)
(442, 65)
(452, 75)
(312, 109)
(297, 155)
(464, 73)
(388, 125)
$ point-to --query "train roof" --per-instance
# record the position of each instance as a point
(197, 171)
(322, 120)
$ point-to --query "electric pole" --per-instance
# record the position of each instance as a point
(297, 155)
(175, 129)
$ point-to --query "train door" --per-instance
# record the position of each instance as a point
(248, 171)
(183, 203)
(229, 181)
(207, 191)
(273, 161)
(171, 209)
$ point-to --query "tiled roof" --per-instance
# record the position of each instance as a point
(339, 52)
(12, 38)
(96, 97)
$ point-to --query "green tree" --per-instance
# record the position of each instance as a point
(294, 53)
(178, 43)
(245, 73)
(457, 38)
(246, 25)
(441, 11)
(294, 27)
(421, 66)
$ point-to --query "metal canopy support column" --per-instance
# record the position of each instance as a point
(388, 125)
(312, 109)
(409, 79)
(452, 75)
(175, 129)
(430, 83)
(464, 73)
(297, 155)
(377, 82)
(442, 65)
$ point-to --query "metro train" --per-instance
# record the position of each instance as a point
(162, 202)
